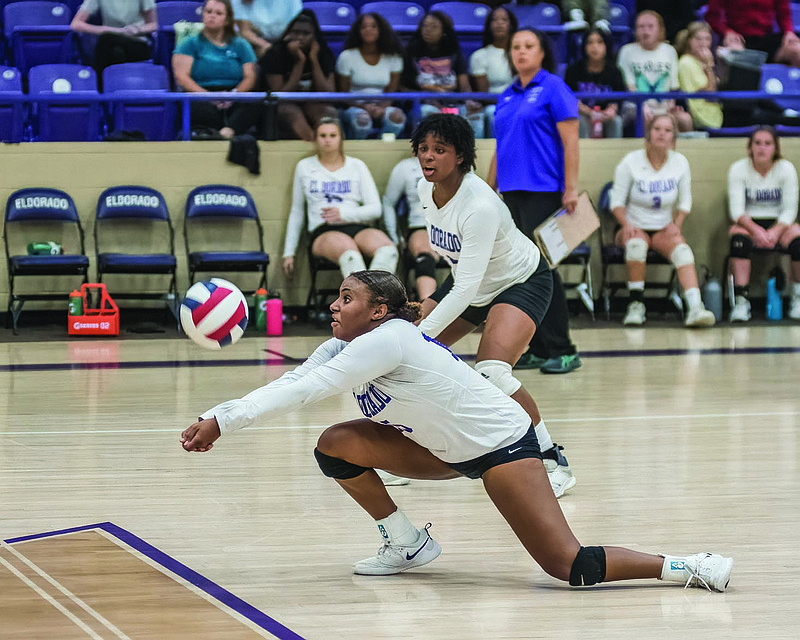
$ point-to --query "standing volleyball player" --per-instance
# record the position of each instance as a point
(498, 275)
(428, 415)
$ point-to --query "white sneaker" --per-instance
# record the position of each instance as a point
(794, 307)
(699, 316)
(559, 473)
(635, 313)
(576, 21)
(741, 309)
(392, 559)
(708, 570)
(391, 480)
(603, 25)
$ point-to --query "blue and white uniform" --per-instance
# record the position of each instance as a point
(399, 377)
(770, 197)
(403, 182)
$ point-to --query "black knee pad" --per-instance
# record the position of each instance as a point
(425, 265)
(336, 467)
(794, 250)
(589, 567)
(741, 246)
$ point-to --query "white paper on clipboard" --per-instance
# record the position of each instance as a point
(551, 237)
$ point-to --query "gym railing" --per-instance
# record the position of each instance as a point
(414, 99)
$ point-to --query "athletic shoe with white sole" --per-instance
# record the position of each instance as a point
(635, 315)
(708, 570)
(391, 480)
(741, 309)
(699, 317)
(558, 470)
(392, 559)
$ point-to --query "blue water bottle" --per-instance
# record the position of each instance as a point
(774, 301)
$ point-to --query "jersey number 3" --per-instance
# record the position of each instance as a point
(656, 202)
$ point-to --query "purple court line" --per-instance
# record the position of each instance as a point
(285, 360)
(241, 607)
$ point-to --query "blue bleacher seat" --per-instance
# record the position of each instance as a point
(468, 19)
(777, 79)
(335, 19)
(155, 120)
(38, 33)
(547, 18)
(620, 22)
(403, 16)
(11, 114)
(65, 121)
(167, 14)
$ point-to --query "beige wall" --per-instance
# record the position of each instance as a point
(84, 169)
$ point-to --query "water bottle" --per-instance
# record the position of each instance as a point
(75, 303)
(597, 123)
(712, 297)
(260, 308)
(774, 301)
(45, 249)
(274, 308)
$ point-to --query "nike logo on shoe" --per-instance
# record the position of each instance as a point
(514, 450)
(411, 556)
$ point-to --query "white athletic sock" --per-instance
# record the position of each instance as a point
(672, 570)
(543, 436)
(397, 529)
(636, 286)
(385, 259)
(350, 261)
(693, 298)
(796, 289)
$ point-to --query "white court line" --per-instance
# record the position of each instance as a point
(301, 427)
(68, 593)
(48, 598)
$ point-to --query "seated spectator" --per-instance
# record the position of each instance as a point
(580, 14)
(300, 61)
(124, 36)
(337, 197)
(676, 14)
(434, 62)
(261, 22)
(403, 182)
(597, 72)
(371, 63)
(651, 197)
(650, 65)
(490, 66)
(762, 198)
(749, 25)
(696, 72)
(216, 59)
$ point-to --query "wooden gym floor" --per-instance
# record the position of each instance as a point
(681, 441)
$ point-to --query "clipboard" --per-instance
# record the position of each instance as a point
(558, 236)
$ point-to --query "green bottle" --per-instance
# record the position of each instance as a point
(44, 249)
(260, 309)
(75, 303)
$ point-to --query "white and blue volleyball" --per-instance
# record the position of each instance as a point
(214, 314)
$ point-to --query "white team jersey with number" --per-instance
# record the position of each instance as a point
(351, 189)
(770, 197)
(401, 378)
(651, 196)
(403, 182)
(486, 251)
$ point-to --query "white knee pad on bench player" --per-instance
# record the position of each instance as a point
(499, 374)
(636, 250)
(682, 256)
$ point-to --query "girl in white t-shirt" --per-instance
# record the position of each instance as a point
(490, 66)
(371, 63)
(337, 196)
(762, 198)
(428, 415)
(651, 197)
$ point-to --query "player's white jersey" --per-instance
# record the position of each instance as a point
(651, 196)
(487, 253)
(399, 377)
(770, 197)
(351, 189)
(403, 182)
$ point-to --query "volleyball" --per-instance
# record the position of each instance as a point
(214, 313)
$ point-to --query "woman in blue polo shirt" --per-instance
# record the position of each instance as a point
(536, 169)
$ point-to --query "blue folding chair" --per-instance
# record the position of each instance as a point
(41, 215)
(65, 121)
(155, 120)
(167, 14)
(228, 214)
(38, 33)
(468, 21)
(403, 16)
(12, 118)
(547, 18)
(128, 218)
(335, 19)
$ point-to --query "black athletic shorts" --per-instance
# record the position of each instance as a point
(526, 447)
(350, 229)
(532, 296)
(769, 43)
